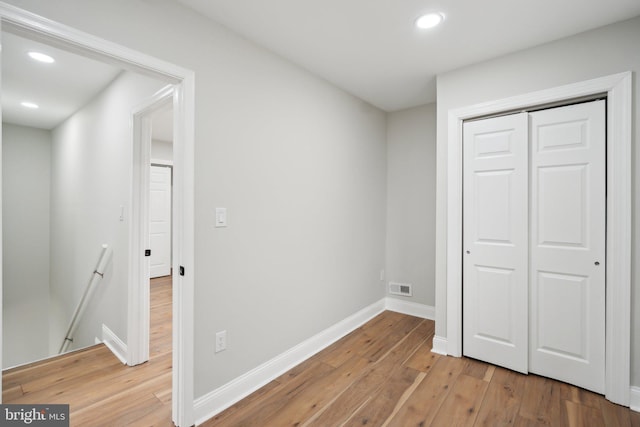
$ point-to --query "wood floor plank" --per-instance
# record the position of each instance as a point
(246, 405)
(421, 407)
(378, 345)
(423, 358)
(304, 405)
(475, 368)
(164, 395)
(375, 377)
(380, 407)
(85, 368)
(582, 396)
(502, 400)
(122, 407)
(103, 383)
(127, 414)
(615, 415)
(461, 406)
(543, 403)
(354, 397)
(343, 349)
(93, 356)
(261, 414)
(160, 417)
(580, 415)
(12, 393)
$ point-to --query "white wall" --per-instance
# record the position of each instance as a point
(300, 166)
(411, 192)
(161, 150)
(26, 157)
(90, 180)
(608, 50)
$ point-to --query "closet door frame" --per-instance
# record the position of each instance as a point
(618, 90)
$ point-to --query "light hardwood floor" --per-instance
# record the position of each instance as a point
(99, 389)
(382, 374)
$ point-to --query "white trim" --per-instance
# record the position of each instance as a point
(619, 120)
(138, 301)
(634, 400)
(183, 252)
(207, 406)
(439, 345)
(411, 308)
(114, 343)
(161, 162)
(48, 31)
(22, 21)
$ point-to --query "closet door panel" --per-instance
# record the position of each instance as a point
(495, 241)
(568, 207)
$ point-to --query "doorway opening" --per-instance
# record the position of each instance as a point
(153, 208)
(182, 97)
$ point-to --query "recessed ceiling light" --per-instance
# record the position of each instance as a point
(429, 20)
(28, 104)
(41, 57)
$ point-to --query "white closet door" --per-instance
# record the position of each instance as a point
(568, 206)
(495, 291)
(160, 221)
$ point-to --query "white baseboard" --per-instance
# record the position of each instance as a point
(634, 399)
(207, 406)
(115, 344)
(439, 345)
(410, 308)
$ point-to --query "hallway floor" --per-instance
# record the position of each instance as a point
(100, 390)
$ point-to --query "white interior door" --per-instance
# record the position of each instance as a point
(536, 302)
(568, 207)
(160, 221)
(495, 262)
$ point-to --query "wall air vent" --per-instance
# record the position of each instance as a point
(403, 289)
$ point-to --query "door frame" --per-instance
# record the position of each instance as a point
(164, 164)
(618, 90)
(183, 81)
(139, 272)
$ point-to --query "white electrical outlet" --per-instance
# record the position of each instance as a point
(221, 341)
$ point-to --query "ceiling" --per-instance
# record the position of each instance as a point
(371, 48)
(60, 89)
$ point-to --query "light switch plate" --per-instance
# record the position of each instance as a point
(221, 217)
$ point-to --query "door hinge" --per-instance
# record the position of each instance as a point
(181, 270)
(147, 252)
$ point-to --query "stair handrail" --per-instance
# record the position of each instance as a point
(98, 274)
